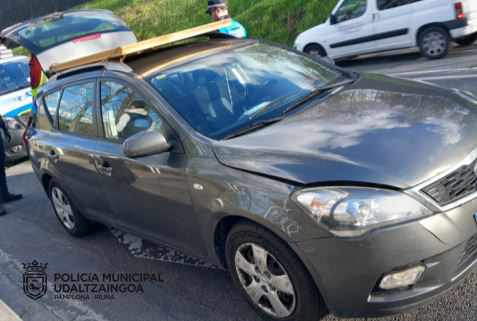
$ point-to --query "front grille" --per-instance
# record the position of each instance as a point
(469, 251)
(454, 186)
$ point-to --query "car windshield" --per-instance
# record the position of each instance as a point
(231, 90)
(13, 76)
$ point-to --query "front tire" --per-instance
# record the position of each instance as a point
(434, 42)
(270, 275)
(69, 216)
(315, 50)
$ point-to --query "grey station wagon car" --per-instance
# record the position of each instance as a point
(317, 188)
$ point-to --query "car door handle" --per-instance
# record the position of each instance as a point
(375, 16)
(105, 168)
(53, 156)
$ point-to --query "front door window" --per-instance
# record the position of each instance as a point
(125, 112)
(350, 9)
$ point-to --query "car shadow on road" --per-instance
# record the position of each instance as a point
(380, 59)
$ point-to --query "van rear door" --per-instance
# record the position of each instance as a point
(68, 35)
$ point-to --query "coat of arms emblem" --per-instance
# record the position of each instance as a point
(35, 280)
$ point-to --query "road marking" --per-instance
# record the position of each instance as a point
(64, 309)
(447, 77)
(433, 71)
(7, 314)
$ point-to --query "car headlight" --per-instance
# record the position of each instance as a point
(12, 123)
(354, 211)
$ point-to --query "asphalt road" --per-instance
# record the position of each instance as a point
(191, 290)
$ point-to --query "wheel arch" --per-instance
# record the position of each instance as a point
(45, 181)
(225, 224)
(430, 25)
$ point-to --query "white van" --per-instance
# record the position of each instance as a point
(364, 26)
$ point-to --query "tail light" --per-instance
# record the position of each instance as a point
(87, 38)
(459, 11)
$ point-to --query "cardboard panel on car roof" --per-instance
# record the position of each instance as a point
(136, 48)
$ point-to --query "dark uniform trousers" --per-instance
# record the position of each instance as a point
(3, 178)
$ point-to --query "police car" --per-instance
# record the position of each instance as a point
(15, 101)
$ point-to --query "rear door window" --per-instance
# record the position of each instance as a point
(51, 103)
(76, 110)
(42, 121)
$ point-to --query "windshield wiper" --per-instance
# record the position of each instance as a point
(254, 126)
(275, 103)
(315, 93)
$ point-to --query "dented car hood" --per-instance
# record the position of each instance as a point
(379, 130)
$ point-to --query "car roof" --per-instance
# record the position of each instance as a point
(162, 59)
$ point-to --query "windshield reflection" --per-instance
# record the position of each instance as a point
(224, 92)
(13, 76)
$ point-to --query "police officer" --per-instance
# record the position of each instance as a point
(5, 196)
(37, 79)
(218, 10)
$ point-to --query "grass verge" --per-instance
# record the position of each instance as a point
(276, 20)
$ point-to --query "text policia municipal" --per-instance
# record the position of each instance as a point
(106, 284)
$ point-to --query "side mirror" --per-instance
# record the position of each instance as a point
(145, 143)
(333, 20)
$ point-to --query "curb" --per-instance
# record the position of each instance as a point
(7, 314)
(13, 298)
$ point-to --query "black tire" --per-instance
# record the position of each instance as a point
(466, 41)
(434, 42)
(315, 49)
(82, 226)
(308, 303)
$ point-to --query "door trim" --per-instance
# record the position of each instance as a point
(377, 36)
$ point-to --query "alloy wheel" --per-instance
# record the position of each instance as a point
(63, 208)
(265, 280)
(315, 52)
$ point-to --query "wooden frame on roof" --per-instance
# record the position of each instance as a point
(136, 48)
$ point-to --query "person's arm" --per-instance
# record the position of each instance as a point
(5, 130)
(123, 121)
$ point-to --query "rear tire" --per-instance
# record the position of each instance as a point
(69, 216)
(294, 298)
(315, 49)
(466, 41)
(434, 42)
